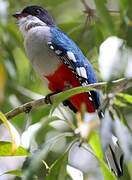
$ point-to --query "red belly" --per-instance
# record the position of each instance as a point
(64, 78)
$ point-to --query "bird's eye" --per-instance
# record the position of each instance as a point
(38, 11)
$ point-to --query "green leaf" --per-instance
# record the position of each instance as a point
(108, 175)
(15, 137)
(126, 97)
(16, 172)
(125, 7)
(96, 144)
(119, 103)
(129, 166)
(60, 97)
(105, 16)
(58, 169)
(6, 150)
(41, 155)
(121, 116)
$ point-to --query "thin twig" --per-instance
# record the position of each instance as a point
(92, 11)
(121, 84)
(27, 107)
(89, 11)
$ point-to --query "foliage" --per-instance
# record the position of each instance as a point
(49, 133)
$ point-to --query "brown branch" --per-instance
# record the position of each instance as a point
(121, 84)
(89, 11)
(27, 107)
(92, 12)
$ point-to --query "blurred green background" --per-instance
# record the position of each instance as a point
(88, 32)
(18, 81)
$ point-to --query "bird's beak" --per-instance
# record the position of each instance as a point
(17, 15)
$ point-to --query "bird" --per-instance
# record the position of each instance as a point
(57, 58)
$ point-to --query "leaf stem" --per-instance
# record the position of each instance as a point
(120, 85)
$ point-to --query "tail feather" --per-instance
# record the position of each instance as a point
(114, 157)
(113, 154)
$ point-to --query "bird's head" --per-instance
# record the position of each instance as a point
(32, 17)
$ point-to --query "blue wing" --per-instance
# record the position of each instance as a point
(71, 55)
(62, 42)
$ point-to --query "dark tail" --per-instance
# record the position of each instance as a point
(113, 155)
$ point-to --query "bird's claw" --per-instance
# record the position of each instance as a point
(48, 98)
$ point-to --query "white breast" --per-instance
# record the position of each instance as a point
(43, 59)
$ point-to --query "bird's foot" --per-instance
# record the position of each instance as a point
(48, 97)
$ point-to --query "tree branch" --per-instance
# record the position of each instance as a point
(91, 12)
(27, 107)
(120, 85)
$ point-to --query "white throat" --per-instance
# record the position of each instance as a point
(36, 37)
(29, 22)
